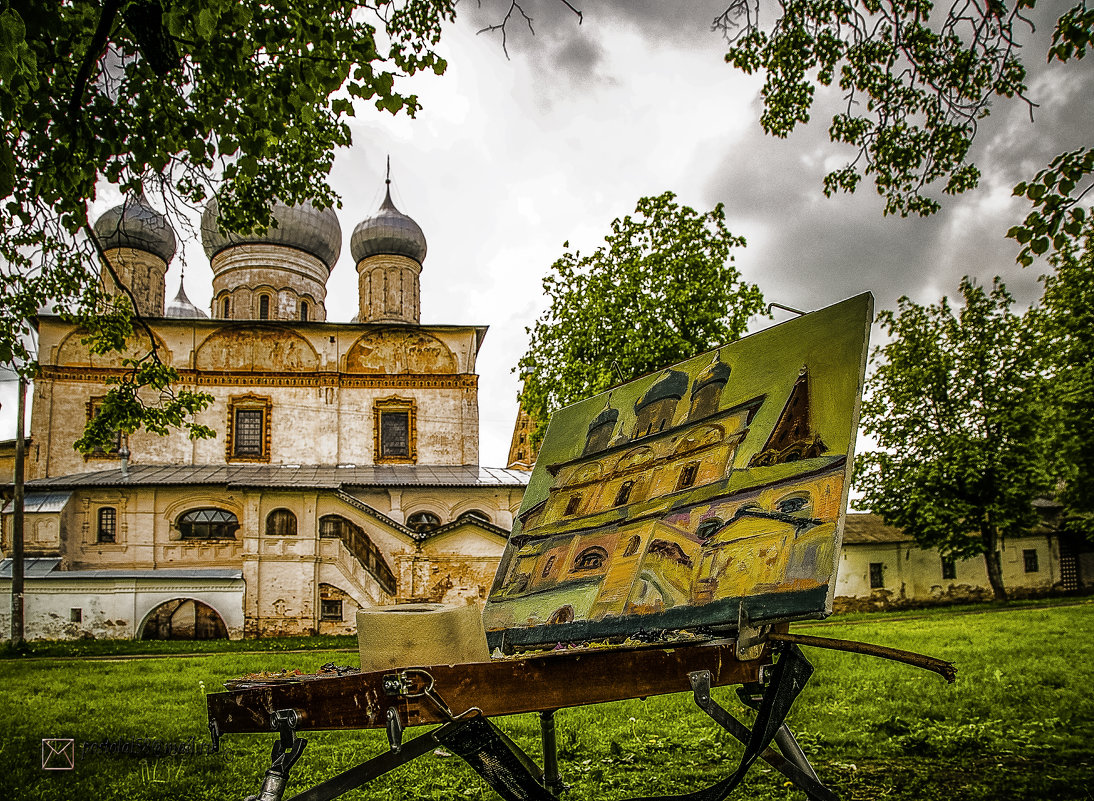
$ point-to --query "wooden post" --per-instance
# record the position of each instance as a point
(17, 522)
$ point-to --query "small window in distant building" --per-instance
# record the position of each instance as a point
(395, 421)
(624, 493)
(263, 307)
(422, 522)
(330, 609)
(248, 436)
(687, 475)
(281, 523)
(304, 311)
(76, 615)
(227, 308)
(1029, 556)
(949, 568)
(548, 567)
(877, 575)
(572, 504)
(632, 545)
(108, 524)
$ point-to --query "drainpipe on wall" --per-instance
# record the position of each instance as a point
(17, 520)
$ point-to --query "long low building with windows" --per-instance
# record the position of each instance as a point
(344, 473)
(882, 566)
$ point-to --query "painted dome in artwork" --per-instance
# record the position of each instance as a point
(304, 227)
(135, 224)
(389, 232)
(671, 384)
(182, 308)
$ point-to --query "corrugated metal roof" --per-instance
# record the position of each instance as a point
(41, 502)
(861, 528)
(291, 476)
(35, 567)
(46, 568)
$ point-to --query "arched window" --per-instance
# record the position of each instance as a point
(624, 493)
(108, 524)
(474, 514)
(304, 311)
(548, 567)
(422, 522)
(263, 307)
(632, 545)
(591, 559)
(227, 307)
(572, 504)
(281, 523)
(798, 504)
(208, 524)
(708, 528)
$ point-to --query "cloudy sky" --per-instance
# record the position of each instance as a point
(511, 157)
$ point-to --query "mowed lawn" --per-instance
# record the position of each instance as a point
(1017, 724)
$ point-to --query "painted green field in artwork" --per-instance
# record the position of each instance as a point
(1018, 724)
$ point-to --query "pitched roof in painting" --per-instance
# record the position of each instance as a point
(861, 528)
(290, 476)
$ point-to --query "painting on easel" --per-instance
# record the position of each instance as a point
(707, 494)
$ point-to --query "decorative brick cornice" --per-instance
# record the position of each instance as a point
(206, 378)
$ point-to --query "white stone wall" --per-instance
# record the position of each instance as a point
(114, 608)
(913, 573)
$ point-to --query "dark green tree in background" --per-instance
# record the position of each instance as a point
(661, 289)
(182, 99)
(1066, 318)
(957, 402)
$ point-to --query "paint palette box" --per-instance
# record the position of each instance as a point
(710, 493)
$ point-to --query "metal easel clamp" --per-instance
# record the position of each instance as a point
(750, 639)
(287, 749)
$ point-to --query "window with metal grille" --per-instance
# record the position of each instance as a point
(208, 524)
(1029, 556)
(248, 433)
(877, 575)
(330, 609)
(949, 568)
(394, 434)
(108, 524)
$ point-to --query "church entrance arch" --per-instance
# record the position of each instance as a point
(183, 619)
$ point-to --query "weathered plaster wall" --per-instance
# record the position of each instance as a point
(912, 573)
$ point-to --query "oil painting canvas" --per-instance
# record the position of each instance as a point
(705, 494)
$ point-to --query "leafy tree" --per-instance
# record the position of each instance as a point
(661, 289)
(918, 82)
(1067, 323)
(955, 402)
(177, 98)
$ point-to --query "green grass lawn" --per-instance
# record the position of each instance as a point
(1017, 724)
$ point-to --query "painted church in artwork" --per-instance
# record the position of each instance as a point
(691, 495)
(345, 471)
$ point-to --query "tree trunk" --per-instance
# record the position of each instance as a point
(993, 561)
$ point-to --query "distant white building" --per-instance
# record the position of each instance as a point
(882, 564)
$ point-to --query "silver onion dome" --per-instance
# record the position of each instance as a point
(390, 233)
(135, 224)
(304, 227)
(182, 308)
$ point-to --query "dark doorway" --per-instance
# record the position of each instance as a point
(184, 619)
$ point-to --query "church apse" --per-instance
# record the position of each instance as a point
(678, 499)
